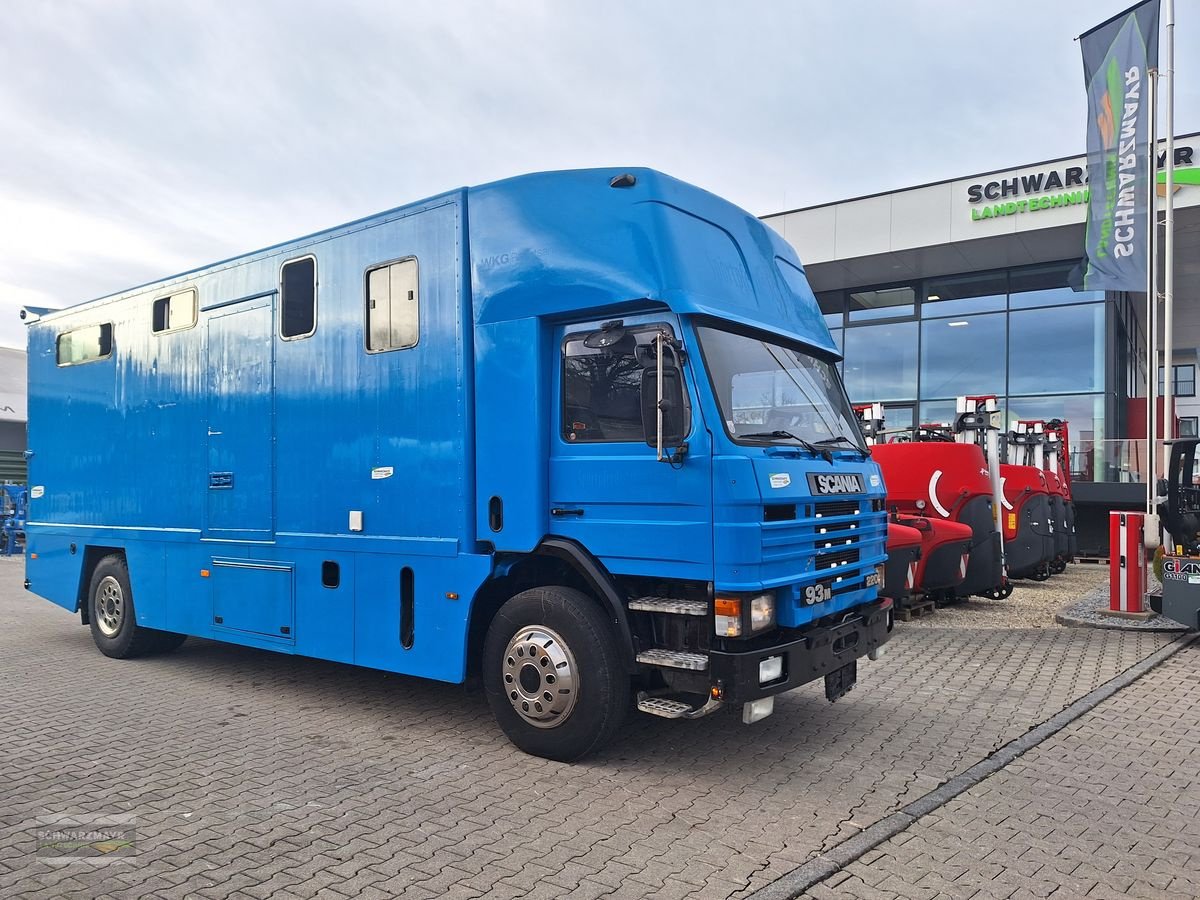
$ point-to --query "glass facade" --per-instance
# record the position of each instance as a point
(1021, 334)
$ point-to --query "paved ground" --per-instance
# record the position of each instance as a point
(250, 774)
(1108, 807)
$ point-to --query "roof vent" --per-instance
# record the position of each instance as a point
(623, 181)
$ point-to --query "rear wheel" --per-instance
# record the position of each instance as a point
(552, 673)
(112, 619)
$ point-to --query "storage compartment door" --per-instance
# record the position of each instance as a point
(254, 596)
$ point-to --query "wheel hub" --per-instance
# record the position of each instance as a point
(540, 676)
(110, 606)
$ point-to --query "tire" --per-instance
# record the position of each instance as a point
(544, 638)
(111, 615)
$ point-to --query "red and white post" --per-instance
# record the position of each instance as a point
(1127, 565)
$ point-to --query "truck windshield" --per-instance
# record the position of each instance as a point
(770, 392)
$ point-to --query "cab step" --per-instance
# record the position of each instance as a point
(661, 706)
(670, 605)
(667, 708)
(674, 659)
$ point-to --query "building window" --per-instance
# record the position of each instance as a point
(963, 295)
(1183, 384)
(883, 303)
(1187, 426)
(963, 356)
(298, 298)
(1046, 286)
(174, 313)
(881, 362)
(85, 344)
(393, 303)
(1056, 350)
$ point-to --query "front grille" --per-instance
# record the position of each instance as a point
(836, 559)
(837, 508)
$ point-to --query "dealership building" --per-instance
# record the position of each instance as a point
(962, 287)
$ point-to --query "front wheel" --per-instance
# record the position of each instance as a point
(110, 614)
(553, 675)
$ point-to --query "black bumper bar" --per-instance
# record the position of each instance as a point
(814, 654)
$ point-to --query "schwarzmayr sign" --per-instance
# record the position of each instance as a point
(1029, 193)
(1062, 186)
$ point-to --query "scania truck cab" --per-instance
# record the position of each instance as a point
(581, 433)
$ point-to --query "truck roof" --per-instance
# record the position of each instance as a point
(559, 243)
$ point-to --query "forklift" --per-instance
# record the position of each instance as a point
(1179, 511)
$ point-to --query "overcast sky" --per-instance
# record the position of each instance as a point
(139, 138)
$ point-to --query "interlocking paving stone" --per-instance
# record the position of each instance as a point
(1108, 807)
(254, 773)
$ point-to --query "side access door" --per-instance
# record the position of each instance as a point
(241, 424)
(608, 490)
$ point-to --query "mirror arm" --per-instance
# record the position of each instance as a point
(659, 404)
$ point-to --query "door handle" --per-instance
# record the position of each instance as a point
(559, 511)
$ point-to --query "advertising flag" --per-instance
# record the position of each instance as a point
(1116, 58)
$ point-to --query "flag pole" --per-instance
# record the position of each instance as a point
(1152, 316)
(1169, 243)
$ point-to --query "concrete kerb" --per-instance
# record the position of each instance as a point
(820, 867)
(1089, 612)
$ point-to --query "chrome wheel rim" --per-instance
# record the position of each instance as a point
(540, 677)
(110, 606)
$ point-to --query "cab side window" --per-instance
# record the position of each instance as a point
(601, 387)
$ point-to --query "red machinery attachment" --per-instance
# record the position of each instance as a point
(900, 571)
(945, 552)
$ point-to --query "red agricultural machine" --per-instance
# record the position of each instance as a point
(961, 552)
(1043, 446)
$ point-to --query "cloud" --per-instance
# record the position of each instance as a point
(142, 138)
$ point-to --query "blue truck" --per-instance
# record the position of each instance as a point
(579, 434)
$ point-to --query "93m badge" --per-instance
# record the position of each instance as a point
(818, 593)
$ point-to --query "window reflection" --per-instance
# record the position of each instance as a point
(881, 362)
(969, 294)
(1085, 418)
(1056, 349)
(1045, 286)
(882, 303)
(963, 356)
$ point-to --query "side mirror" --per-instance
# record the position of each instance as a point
(673, 406)
(1164, 487)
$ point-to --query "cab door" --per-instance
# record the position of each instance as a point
(608, 491)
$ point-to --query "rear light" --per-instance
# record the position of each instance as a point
(727, 619)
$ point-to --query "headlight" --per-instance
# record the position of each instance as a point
(762, 612)
(736, 616)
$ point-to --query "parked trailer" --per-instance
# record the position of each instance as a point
(548, 412)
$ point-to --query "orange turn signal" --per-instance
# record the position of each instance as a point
(204, 573)
(728, 606)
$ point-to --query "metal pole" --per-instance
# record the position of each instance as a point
(1169, 244)
(1152, 307)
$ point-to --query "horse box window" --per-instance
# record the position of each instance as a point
(298, 298)
(393, 303)
(85, 344)
(175, 313)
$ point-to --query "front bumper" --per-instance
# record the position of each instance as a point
(814, 654)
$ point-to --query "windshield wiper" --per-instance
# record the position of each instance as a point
(841, 438)
(780, 433)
